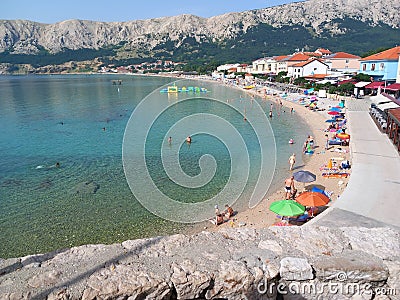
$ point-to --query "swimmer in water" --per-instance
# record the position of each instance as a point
(170, 141)
(189, 139)
(56, 165)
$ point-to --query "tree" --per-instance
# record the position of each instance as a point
(380, 49)
(300, 81)
(346, 88)
(362, 77)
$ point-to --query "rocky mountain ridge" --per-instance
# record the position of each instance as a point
(20, 36)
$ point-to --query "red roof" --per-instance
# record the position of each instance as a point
(316, 76)
(390, 54)
(302, 64)
(347, 81)
(374, 85)
(280, 57)
(313, 54)
(299, 57)
(323, 51)
(393, 87)
(339, 55)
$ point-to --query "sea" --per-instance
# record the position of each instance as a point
(64, 180)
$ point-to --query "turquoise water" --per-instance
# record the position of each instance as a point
(79, 121)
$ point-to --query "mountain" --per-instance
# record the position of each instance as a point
(354, 26)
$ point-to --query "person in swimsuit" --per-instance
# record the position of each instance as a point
(292, 160)
(228, 211)
(289, 186)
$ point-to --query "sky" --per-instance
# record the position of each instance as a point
(52, 11)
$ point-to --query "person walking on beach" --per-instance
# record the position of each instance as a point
(326, 142)
(270, 114)
(289, 187)
(292, 160)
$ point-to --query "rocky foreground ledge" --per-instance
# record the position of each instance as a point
(296, 262)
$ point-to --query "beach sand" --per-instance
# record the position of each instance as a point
(260, 216)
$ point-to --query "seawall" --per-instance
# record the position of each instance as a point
(314, 262)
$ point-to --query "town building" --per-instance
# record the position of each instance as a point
(343, 62)
(382, 66)
(310, 68)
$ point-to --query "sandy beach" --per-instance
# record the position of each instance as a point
(260, 216)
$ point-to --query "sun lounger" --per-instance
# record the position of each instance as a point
(335, 175)
(335, 142)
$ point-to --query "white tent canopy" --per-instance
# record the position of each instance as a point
(361, 84)
(387, 106)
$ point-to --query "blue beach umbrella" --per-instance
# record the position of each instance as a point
(335, 109)
(330, 121)
(304, 176)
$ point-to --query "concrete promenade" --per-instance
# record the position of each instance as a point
(372, 196)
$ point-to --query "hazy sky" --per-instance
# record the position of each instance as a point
(51, 11)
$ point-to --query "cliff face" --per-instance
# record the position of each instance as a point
(300, 262)
(28, 37)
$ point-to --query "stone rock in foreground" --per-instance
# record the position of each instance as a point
(297, 262)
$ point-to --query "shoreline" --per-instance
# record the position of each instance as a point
(260, 216)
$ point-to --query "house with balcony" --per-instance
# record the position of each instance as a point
(343, 62)
(382, 66)
(263, 65)
(291, 60)
(280, 64)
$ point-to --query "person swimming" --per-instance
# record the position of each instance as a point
(56, 165)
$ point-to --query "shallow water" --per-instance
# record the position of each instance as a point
(80, 121)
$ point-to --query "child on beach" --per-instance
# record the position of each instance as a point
(292, 160)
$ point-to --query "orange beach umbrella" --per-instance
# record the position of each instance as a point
(312, 199)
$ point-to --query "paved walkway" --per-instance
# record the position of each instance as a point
(372, 196)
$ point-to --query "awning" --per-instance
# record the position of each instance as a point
(387, 106)
(361, 84)
(375, 85)
(393, 87)
(347, 81)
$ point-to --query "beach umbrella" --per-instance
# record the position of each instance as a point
(333, 113)
(311, 187)
(335, 109)
(343, 136)
(330, 121)
(304, 176)
(287, 208)
(316, 189)
(312, 199)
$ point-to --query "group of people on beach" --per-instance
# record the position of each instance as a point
(220, 216)
(308, 145)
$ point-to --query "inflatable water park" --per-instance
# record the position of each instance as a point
(184, 89)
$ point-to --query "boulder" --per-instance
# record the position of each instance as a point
(294, 268)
